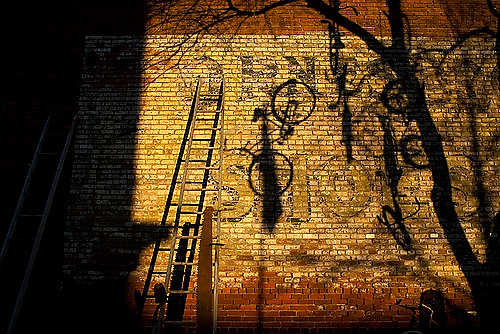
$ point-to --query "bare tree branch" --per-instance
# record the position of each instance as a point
(263, 10)
(395, 17)
(329, 13)
(463, 38)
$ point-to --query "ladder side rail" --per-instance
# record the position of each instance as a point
(208, 162)
(181, 272)
(187, 134)
(181, 281)
(170, 196)
(41, 229)
(191, 124)
(183, 185)
(179, 202)
(206, 175)
(204, 183)
(219, 198)
(20, 201)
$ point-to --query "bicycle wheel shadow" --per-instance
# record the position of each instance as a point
(271, 172)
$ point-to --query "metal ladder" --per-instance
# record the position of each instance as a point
(32, 211)
(203, 137)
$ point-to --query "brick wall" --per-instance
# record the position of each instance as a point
(426, 18)
(324, 252)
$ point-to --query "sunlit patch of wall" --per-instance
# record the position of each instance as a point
(333, 257)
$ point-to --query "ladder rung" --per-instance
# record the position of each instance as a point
(189, 225)
(195, 160)
(182, 291)
(205, 148)
(176, 249)
(180, 322)
(202, 189)
(186, 227)
(191, 212)
(185, 250)
(203, 168)
(188, 237)
(24, 215)
(174, 321)
(208, 111)
(187, 263)
(47, 153)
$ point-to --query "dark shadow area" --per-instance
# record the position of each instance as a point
(41, 71)
(43, 55)
(264, 161)
(181, 275)
(339, 76)
(429, 314)
(393, 174)
(493, 254)
(19, 250)
(474, 105)
(102, 241)
(347, 136)
(100, 305)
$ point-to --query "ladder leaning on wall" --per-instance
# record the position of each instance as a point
(166, 288)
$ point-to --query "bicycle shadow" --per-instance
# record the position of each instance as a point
(267, 186)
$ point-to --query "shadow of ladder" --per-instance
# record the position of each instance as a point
(23, 239)
(203, 137)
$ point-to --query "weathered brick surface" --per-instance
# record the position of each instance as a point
(324, 260)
